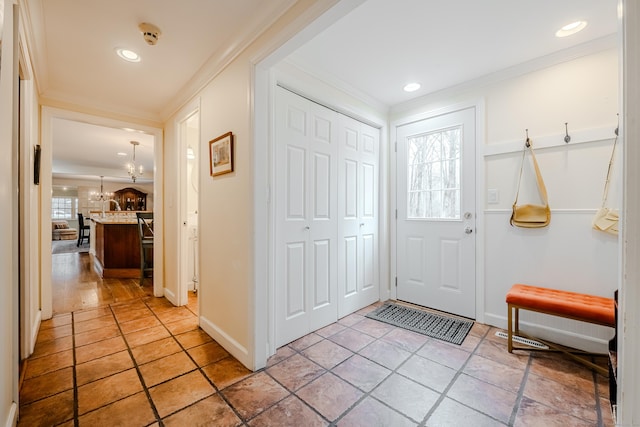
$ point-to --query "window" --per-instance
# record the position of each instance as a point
(433, 175)
(64, 207)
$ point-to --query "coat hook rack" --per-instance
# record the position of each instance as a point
(527, 142)
(567, 138)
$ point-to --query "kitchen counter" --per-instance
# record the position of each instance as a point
(116, 246)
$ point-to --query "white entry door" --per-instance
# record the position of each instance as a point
(306, 216)
(358, 215)
(436, 212)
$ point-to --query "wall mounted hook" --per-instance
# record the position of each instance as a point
(527, 143)
(567, 138)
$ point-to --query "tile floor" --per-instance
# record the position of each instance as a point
(144, 362)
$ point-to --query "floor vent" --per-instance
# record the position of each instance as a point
(525, 341)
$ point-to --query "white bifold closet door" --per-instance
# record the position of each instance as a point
(326, 211)
(358, 284)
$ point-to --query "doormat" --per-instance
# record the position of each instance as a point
(442, 327)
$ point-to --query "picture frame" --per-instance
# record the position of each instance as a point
(221, 154)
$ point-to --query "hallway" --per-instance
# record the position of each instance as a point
(140, 361)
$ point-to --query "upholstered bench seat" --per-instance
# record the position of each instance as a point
(587, 308)
(570, 305)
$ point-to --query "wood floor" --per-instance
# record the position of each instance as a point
(77, 286)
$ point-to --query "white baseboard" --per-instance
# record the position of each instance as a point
(12, 416)
(173, 299)
(35, 328)
(228, 343)
(558, 336)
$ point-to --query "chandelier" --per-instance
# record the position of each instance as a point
(133, 171)
(102, 195)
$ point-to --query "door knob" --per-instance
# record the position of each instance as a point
(468, 230)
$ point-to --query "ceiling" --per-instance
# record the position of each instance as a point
(383, 45)
(373, 51)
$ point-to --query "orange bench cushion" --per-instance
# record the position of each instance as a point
(578, 306)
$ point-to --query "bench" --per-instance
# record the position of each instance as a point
(570, 305)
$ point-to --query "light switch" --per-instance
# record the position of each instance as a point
(493, 196)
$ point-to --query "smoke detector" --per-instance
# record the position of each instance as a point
(150, 32)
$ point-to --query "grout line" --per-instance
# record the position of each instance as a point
(198, 368)
(137, 368)
(597, 395)
(443, 394)
(525, 378)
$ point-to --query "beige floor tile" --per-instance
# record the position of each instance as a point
(166, 368)
(46, 385)
(108, 390)
(212, 411)
(134, 411)
(155, 350)
(145, 336)
(103, 367)
(180, 392)
(100, 349)
(50, 411)
(50, 363)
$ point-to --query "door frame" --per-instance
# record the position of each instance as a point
(265, 79)
(180, 121)
(479, 106)
(46, 181)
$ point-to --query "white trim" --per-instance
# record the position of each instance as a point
(555, 211)
(480, 189)
(35, 328)
(12, 416)
(629, 295)
(225, 340)
(47, 117)
(479, 108)
(551, 141)
(170, 295)
(262, 323)
(182, 233)
(567, 338)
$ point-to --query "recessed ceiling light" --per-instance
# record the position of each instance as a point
(412, 87)
(572, 28)
(121, 154)
(128, 55)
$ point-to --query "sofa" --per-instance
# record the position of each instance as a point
(60, 230)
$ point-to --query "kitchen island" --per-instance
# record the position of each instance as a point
(116, 246)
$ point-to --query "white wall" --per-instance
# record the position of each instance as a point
(568, 254)
(8, 246)
(226, 208)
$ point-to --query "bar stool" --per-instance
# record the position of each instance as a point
(83, 230)
(145, 232)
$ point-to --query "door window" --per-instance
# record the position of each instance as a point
(433, 173)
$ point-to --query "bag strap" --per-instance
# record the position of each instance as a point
(539, 180)
(605, 194)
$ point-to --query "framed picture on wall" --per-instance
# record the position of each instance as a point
(221, 154)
